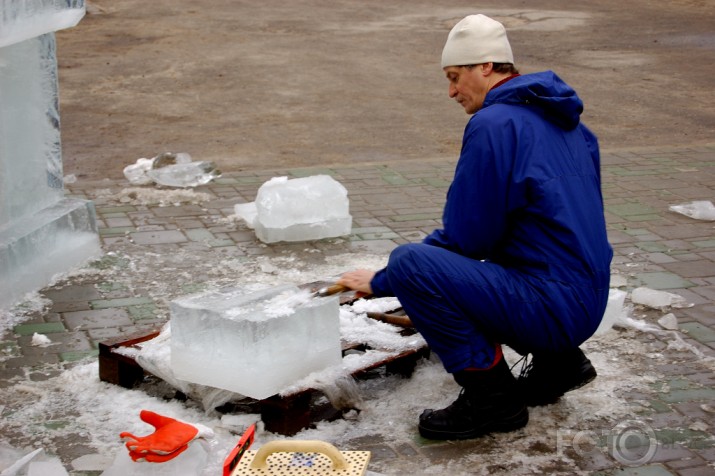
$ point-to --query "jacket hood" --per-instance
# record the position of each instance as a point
(558, 102)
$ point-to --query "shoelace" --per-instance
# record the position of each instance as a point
(527, 365)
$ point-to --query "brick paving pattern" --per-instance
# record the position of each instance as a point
(398, 203)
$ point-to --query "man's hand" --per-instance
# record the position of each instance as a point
(358, 280)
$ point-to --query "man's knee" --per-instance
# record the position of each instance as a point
(405, 260)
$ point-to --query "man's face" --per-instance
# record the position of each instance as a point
(468, 86)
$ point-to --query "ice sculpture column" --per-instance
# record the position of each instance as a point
(42, 232)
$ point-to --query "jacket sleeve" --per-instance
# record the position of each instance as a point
(380, 286)
(475, 212)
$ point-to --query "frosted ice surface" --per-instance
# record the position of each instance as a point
(189, 463)
(46, 468)
(21, 20)
(657, 299)
(46, 243)
(190, 174)
(308, 208)
(29, 129)
(669, 321)
(614, 310)
(247, 212)
(253, 343)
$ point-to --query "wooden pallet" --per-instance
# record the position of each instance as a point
(285, 415)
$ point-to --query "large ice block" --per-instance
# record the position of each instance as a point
(308, 208)
(30, 151)
(254, 343)
(42, 233)
(45, 243)
(21, 20)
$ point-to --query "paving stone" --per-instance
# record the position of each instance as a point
(70, 294)
(662, 280)
(40, 328)
(699, 332)
(691, 394)
(64, 342)
(704, 470)
(199, 234)
(158, 237)
(648, 470)
(96, 319)
(121, 302)
(78, 355)
(118, 222)
(60, 307)
(116, 231)
(701, 268)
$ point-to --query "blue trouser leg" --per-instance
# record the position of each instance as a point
(464, 308)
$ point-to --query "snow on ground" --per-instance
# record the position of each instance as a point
(75, 402)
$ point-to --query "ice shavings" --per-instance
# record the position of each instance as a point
(699, 210)
(389, 406)
(286, 303)
(160, 197)
(386, 304)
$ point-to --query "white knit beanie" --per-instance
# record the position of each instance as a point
(476, 39)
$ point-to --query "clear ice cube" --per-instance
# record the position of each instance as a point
(308, 208)
(254, 343)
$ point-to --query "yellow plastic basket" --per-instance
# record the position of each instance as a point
(301, 458)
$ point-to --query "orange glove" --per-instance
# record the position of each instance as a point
(171, 438)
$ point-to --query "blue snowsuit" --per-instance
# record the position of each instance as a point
(523, 258)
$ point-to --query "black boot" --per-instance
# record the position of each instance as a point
(489, 402)
(549, 375)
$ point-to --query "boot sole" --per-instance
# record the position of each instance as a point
(519, 420)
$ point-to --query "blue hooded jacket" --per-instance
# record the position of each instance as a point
(527, 189)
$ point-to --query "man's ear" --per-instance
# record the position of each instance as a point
(487, 68)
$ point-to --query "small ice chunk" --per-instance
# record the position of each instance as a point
(40, 340)
(137, 173)
(301, 209)
(191, 174)
(699, 210)
(669, 321)
(171, 170)
(655, 299)
(614, 310)
(191, 462)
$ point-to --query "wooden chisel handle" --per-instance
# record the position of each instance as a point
(330, 290)
(401, 321)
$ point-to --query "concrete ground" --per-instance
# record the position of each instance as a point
(273, 84)
(267, 89)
